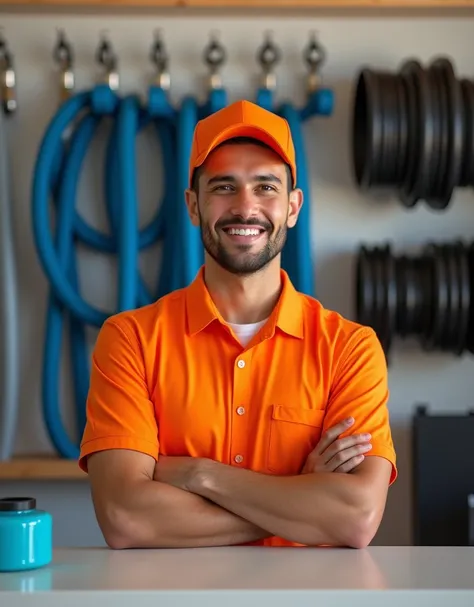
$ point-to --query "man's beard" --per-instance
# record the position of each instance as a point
(245, 262)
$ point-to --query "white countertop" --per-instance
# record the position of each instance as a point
(248, 576)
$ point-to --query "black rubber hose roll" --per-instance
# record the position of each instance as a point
(413, 132)
(429, 296)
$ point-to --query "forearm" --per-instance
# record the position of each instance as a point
(315, 509)
(150, 514)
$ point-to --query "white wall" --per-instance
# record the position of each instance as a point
(342, 217)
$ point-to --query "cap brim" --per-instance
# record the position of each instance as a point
(244, 130)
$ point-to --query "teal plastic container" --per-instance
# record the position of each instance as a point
(26, 535)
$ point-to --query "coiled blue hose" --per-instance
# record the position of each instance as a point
(56, 176)
(9, 334)
(297, 257)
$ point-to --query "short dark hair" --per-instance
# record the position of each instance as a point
(240, 140)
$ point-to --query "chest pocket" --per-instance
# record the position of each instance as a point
(294, 432)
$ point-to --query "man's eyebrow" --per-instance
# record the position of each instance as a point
(219, 178)
(231, 178)
(269, 177)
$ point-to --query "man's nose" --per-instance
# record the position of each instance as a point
(245, 204)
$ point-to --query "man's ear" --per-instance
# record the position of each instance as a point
(192, 206)
(294, 207)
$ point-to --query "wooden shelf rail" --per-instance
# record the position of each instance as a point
(250, 4)
(40, 468)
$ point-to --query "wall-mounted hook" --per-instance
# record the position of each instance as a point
(107, 59)
(159, 57)
(8, 78)
(64, 57)
(315, 56)
(268, 56)
(215, 56)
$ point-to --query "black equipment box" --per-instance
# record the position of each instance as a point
(443, 479)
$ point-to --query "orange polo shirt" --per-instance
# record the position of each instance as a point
(171, 378)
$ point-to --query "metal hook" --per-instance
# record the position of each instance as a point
(268, 56)
(106, 57)
(62, 53)
(8, 78)
(215, 53)
(314, 56)
(64, 57)
(159, 57)
(215, 56)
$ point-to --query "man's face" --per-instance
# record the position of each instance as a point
(244, 209)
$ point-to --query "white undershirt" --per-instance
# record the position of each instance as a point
(244, 333)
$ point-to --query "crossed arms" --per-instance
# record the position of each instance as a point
(191, 502)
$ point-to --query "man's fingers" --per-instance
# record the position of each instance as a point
(332, 433)
(341, 457)
(344, 443)
(350, 464)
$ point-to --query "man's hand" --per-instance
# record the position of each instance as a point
(333, 454)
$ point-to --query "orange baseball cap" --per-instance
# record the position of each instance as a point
(242, 119)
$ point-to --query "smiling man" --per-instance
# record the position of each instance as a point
(238, 410)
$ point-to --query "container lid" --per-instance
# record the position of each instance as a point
(14, 504)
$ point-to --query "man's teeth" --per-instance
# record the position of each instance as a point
(243, 232)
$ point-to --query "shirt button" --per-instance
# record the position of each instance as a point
(241, 364)
(239, 459)
(240, 410)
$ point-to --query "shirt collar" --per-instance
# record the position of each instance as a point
(287, 314)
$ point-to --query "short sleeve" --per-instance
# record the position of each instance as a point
(120, 414)
(360, 390)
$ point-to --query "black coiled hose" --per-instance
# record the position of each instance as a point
(429, 296)
(413, 132)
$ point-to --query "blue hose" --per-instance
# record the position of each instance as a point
(297, 256)
(56, 176)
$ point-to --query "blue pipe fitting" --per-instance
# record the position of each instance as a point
(159, 105)
(319, 103)
(104, 100)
